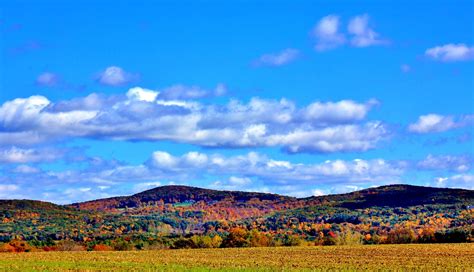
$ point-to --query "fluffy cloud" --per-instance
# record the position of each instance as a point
(19, 155)
(465, 181)
(47, 79)
(142, 115)
(363, 35)
(446, 162)
(451, 52)
(254, 165)
(327, 33)
(278, 59)
(140, 94)
(115, 76)
(249, 172)
(438, 123)
(234, 183)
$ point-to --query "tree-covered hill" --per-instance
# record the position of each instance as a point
(387, 214)
(174, 194)
(396, 196)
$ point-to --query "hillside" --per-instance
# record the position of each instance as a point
(200, 204)
(419, 212)
(174, 194)
(396, 196)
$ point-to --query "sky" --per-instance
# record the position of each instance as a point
(301, 98)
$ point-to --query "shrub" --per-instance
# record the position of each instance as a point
(122, 245)
(348, 237)
(7, 248)
(102, 247)
(183, 243)
(401, 235)
(258, 239)
(67, 245)
(237, 238)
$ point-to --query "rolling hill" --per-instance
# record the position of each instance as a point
(183, 210)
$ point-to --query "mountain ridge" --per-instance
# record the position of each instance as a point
(267, 196)
(180, 211)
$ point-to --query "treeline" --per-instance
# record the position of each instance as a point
(241, 237)
(31, 227)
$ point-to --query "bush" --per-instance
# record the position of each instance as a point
(122, 245)
(452, 236)
(401, 235)
(237, 238)
(102, 247)
(291, 240)
(183, 243)
(67, 245)
(348, 237)
(258, 239)
(17, 246)
(7, 248)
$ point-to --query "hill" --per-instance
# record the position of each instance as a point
(387, 214)
(399, 195)
(180, 202)
(176, 194)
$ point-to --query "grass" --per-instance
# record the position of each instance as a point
(427, 257)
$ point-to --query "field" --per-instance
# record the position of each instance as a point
(427, 257)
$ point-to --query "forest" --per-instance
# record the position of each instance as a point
(171, 217)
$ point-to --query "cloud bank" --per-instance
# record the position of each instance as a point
(145, 115)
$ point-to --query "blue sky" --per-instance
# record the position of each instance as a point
(292, 97)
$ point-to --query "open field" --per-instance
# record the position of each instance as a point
(427, 257)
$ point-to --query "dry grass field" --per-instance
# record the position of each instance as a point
(426, 257)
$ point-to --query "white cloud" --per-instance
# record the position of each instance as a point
(438, 123)
(465, 181)
(278, 59)
(327, 33)
(246, 172)
(340, 112)
(18, 112)
(451, 52)
(260, 166)
(20, 155)
(363, 35)
(47, 79)
(163, 159)
(141, 115)
(141, 94)
(342, 138)
(445, 162)
(115, 76)
(432, 123)
(317, 192)
(238, 181)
